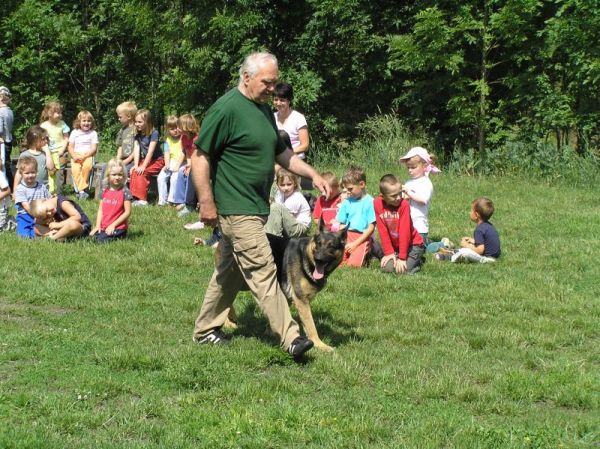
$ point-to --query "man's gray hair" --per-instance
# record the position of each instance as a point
(254, 62)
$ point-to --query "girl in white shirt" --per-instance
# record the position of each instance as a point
(290, 214)
(419, 190)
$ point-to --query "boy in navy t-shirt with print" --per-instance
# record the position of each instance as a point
(484, 246)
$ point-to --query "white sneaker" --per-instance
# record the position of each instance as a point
(194, 226)
(183, 212)
(140, 203)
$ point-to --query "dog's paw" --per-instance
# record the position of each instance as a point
(229, 324)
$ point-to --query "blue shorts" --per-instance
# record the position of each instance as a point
(25, 226)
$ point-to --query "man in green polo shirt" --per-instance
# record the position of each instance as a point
(233, 171)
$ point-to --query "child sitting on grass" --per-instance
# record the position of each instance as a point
(27, 190)
(173, 155)
(126, 137)
(290, 213)
(484, 247)
(36, 147)
(403, 248)
(326, 206)
(115, 207)
(60, 218)
(356, 213)
(83, 145)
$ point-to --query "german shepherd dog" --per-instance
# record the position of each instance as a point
(303, 266)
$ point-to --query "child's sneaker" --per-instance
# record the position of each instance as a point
(194, 226)
(82, 195)
(138, 203)
(184, 211)
(9, 225)
(447, 243)
(444, 254)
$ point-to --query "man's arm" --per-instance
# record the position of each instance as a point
(293, 163)
(201, 177)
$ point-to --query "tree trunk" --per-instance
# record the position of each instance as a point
(483, 81)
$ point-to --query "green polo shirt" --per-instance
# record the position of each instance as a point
(241, 140)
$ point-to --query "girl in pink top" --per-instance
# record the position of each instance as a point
(115, 206)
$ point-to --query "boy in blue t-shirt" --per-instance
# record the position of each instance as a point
(485, 245)
(356, 212)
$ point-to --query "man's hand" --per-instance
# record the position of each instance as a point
(322, 185)
(208, 213)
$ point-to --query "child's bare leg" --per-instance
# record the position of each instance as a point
(71, 228)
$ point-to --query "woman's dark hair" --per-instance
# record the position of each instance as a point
(284, 90)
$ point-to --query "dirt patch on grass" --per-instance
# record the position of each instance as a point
(17, 310)
(11, 317)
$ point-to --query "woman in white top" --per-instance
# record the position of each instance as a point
(290, 120)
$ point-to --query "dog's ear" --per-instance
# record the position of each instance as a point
(321, 224)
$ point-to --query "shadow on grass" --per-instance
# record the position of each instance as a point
(251, 322)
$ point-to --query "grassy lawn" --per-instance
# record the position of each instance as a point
(96, 351)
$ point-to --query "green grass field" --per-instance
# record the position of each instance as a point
(96, 351)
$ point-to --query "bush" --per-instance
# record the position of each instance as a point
(534, 160)
(382, 139)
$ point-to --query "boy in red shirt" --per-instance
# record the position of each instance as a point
(327, 207)
(403, 248)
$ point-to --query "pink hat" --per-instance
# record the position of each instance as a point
(425, 157)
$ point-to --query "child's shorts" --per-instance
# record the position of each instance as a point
(25, 226)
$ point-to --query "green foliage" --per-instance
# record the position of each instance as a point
(536, 160)
(474, 74)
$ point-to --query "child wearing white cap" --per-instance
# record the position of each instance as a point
(419, 190)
